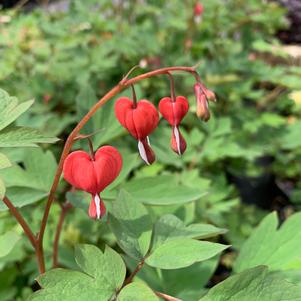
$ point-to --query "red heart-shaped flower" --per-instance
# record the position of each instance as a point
(140, 120)
(93, 176)
(175, 111)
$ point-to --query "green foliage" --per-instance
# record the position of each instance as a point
(7, 242)
(31, 183)
(131, 225)
(22, 136)
(17, 136)
(66, 60)
(136, 291)
(254, 284)
(279, 249)
(10, 108)
(162, 190)
(4, 161)
(182, 252)
(102, 275)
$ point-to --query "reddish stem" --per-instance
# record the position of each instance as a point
(64, 209)
(137, 269)
(172, 87)
(20, 220)
(28, 232)
(90, 143)
(134, 96)
(166, 297)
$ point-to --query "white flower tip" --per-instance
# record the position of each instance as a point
(142, 152)
(97, 205)
(177, 136)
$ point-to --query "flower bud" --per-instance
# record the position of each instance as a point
(202, 109)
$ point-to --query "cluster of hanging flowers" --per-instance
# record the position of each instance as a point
(141, 118)
(93, 172)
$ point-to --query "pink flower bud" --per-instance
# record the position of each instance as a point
(202, 109)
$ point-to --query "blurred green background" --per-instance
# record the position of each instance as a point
(239, 166)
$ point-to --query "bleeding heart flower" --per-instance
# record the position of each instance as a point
(174, 112)
(140, 120)
(198, 9)
(202, 95)
(93, 175)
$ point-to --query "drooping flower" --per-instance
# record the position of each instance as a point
(198, 9)
(93, 175)
(202, 95)
(198, 12)
(174, 112)
(140, 120)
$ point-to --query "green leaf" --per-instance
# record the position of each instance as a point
(291, 138)
(193, 279)
(85, 99)
(137, 291)
(10, 109)
(169, 227)
(103, 275)
(4, 161)
(7, 242)
(78, 199)
(130, 161)
(103, 119)
(275, 247)
(182, 252)
(2, 191)
(90, 259)
(254, 284)
(107, 120)
(22, 196)
(131, 224)
(22, 136)
(162, 190)
(38, 172)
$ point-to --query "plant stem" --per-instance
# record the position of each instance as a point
(166, 297)
(33, 240)
(172, 87)
(137, 269)
(134, 96)
(20, 220)
(90, 143)
(64, 209)
(123, 84)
